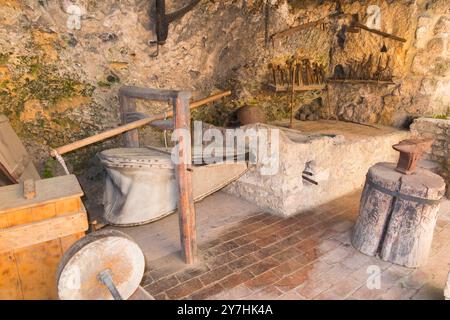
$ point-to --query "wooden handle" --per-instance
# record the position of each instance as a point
(130, 126)
(381, 33)
(29, 189)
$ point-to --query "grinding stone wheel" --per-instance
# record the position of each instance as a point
(103, 250)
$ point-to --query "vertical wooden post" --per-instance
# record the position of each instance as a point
(186, 209)
(131, 138)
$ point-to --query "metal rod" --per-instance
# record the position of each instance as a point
(105, 277)
(308, 173)
(310, 180)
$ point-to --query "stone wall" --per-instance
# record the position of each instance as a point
(59, 85)
(438, 129)
(422, 72)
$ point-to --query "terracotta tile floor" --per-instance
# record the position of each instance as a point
(308, 256)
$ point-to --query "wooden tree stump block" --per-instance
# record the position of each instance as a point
(398, 214)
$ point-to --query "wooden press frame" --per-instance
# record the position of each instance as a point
(183, 170)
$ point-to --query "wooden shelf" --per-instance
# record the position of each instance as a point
(357, 81)
(280, 88)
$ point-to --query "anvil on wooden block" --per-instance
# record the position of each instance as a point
(411, 150)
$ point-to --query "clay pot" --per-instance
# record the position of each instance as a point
(250, 114)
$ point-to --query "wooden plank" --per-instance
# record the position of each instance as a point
(26, 235)
(14, 158)
(67, 242)
(68, 206)
(10, 288)
(37, 270)
(40, 213)
(14, 218)
(48, 190)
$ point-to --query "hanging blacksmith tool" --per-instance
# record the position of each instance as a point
(164, 19)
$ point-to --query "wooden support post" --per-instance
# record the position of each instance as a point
(127, 105)
(186, 209)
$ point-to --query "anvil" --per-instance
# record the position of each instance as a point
(411, 150)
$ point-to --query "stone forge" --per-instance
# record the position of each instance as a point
(337, 154)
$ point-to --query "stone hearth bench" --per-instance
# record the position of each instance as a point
(339, 165)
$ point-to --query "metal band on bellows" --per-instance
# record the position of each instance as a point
(402, 196)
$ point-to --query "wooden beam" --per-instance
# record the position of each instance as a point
(307, 25)
(132, 125)
(378, 32)
(183, 169)
(286, 88)
(26, 235)
(360, 81)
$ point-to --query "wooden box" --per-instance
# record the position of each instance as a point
(34, 233)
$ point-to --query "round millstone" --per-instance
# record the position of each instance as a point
(77, 276)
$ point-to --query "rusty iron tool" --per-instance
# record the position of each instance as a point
(378, 71)
(388, 74)
(309, 72)
(163, 20)
(298, 73)
(314, 73)
(310, 180)
(274, 74)
(266, 23)
(368, 68)
(291, 125)
(325, 20)
(411, 150)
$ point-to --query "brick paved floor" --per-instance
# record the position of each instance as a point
(308, 256)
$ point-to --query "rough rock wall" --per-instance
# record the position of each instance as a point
(421, 72)
(439, 130)
(58, 85)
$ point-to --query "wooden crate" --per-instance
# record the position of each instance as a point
(34, 233)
